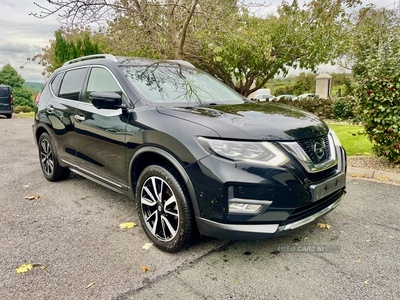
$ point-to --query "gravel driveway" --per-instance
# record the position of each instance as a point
(72, 234)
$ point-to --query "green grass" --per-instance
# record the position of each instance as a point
(29, 114)
(352, 141)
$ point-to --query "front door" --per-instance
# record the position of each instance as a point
(101, 133)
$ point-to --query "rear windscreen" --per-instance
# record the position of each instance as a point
(4, 92)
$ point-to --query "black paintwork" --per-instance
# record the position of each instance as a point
(112, 141)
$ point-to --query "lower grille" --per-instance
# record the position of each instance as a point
(313, 207)
(322, 174)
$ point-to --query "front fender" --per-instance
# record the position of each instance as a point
(152, 150)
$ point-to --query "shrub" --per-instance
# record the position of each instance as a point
(343, 108)
(24, 109)
(23, 97)
(378, 94)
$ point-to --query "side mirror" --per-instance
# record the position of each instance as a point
(106, 100)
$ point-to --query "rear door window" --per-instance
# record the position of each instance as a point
(72, 83)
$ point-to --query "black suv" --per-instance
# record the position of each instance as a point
(6, 101)
(193, 153)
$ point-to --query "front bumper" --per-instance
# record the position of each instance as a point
(257, 231)
(290, 198)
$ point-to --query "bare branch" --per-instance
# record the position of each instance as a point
(71, 12)
(186, 25)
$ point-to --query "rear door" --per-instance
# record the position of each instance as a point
(60, 110)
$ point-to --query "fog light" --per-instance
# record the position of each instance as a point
(244, 208)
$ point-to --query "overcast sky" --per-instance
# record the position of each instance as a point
(23, 36)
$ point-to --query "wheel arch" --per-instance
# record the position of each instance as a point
(151, 155)
(39, 131)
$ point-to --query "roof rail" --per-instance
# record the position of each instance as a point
(88, 57)
(182, 62)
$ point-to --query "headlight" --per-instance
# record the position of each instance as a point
(259, 152)
(334, 137)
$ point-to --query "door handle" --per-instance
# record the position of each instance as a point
(79, 118)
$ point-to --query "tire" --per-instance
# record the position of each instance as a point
(164, 208)
(9, 116)
(49, 161)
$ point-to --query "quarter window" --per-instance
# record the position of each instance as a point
(55, 84)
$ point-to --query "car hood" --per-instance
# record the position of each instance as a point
(269, 121)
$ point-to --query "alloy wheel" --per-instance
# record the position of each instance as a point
(46, 157)
(159, 208)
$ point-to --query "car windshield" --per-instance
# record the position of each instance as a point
(172, 83)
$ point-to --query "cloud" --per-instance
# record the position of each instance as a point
(18, 49)
(23, 36)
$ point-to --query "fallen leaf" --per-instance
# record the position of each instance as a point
(147, 246)
(89, 285)
(357, 175)
(127, 225)
(366, 281)
(26, 267)
(34, 197)
(383, 178)
(323, 225)
(145, 269)
(358, 261)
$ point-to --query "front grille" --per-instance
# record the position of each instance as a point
(317, 149)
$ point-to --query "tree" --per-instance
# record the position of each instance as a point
(67, 45)
(222, 37)
(371, 30)
(9, 76)
(304, 83)
(376, 68)
(344, 80)
(22, 96)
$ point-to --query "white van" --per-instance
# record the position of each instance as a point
(262, 95)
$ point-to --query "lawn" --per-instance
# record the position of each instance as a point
(29, 114)
(352, 141)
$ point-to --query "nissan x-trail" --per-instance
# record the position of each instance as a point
(194, 155)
